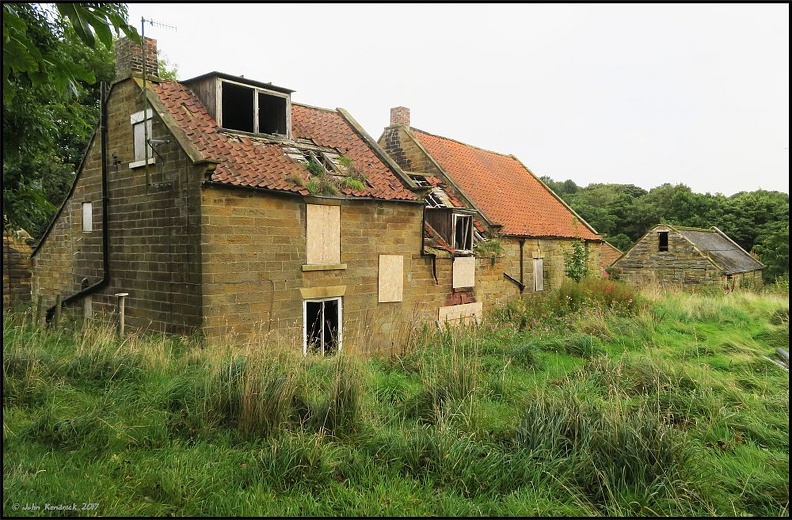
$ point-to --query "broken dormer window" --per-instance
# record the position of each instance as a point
(254, 110)
(455, 226)
(463, 232)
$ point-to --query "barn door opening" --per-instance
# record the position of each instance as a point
(322, 326)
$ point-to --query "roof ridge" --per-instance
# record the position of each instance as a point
(508, 156)
(314, 107)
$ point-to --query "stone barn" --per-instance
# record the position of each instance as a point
(688, 257)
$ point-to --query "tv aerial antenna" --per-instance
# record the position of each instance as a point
(153, 23)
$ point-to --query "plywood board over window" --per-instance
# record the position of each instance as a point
(323, 234)
(464, 272)
(456, 314)
(538, 272)
(391, 278)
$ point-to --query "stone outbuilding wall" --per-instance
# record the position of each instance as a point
(16, 268)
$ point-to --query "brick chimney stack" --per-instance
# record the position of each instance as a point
(400, 116)
(129, 58)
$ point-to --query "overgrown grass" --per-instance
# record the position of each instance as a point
(593, 400)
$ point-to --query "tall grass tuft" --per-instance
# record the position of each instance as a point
(341, 412)
(607, 447)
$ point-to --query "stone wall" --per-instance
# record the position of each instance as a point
(254, 253)
(153, 230)
(16, 269)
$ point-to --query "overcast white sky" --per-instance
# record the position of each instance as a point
(643, 94)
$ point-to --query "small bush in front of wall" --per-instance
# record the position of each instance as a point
(576, 261)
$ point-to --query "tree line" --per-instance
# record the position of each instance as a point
(622, 213)
(55, 55)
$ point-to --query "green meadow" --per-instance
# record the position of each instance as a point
(595, 399)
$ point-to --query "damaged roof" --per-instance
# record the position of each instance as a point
(252, 161)
(505, 190)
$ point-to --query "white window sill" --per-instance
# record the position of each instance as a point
(138, 164)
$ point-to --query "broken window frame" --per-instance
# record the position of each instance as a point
(467, 230)
(420, 181)
(253, 118)
(315, 340)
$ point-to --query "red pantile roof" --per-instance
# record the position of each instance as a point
(247, 161)
(505, 190)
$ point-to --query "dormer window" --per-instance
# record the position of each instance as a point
(454, 225)
(463, 232)
(254, 110)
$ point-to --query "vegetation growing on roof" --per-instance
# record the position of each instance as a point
(315, 168)
(352, 184)
(491, 248)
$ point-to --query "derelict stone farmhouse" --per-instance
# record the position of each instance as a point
(220, 206)
(693, 257)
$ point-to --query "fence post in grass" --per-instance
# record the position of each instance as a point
(57, 310)
(37, 316)
(120, 304)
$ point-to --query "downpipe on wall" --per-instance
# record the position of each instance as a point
(105, 231)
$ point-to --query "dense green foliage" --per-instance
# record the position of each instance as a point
(622, 213)
(592, 400)
(54, 58)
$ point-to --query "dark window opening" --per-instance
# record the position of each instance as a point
(663, 241)
(463, 232)
(237, 107)
(272, 114)
(322, 325)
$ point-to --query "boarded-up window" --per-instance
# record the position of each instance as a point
(391, 278)
(87, 217)
(464, 272)
(323, 234)
(538, 269)
(457, 314)
(141, 133)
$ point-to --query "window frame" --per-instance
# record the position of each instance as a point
(468, 240)
(339, 323)
(255, 108)
(142, 127)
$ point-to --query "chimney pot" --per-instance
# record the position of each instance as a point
(400, 116)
